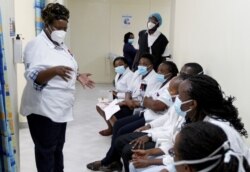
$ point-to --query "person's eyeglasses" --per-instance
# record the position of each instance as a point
(171, 152)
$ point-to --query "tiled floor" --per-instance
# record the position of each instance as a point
(83, 143)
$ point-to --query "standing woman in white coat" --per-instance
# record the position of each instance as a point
(48, 98)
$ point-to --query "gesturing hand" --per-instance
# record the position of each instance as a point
(85, 80)
(63, 72)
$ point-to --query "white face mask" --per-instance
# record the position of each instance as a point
(58, 36)
(151, 25)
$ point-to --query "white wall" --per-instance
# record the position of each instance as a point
(7, 10)
(216, 33)
(25, 25)
(96, 29)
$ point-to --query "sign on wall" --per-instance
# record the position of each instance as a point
(126, 20)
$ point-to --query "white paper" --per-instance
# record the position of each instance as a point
(111, 109)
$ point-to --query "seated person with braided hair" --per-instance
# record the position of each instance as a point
(203, 146)
(156, 104)
(201, 99)
(157, 127)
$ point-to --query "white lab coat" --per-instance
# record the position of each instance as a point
(150, 80)
(56, 99)
(162, 127)
(236, 141)
(122, 84)
(168, 126)
(160, 95)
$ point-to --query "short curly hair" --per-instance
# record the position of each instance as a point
(54, 11)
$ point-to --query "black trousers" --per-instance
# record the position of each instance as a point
(122, 126)
(124, 148)
(49, 138)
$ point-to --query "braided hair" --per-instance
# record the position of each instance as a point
(54, 11)
(212, 102)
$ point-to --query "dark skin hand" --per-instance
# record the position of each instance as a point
(139, 153)
(141, 159)
(154, 105)
(139, 142)
(141, 163)
(146, 127)
(84, 79)
(146, 100)
(46, 75)
(130, 103)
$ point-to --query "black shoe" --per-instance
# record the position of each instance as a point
(96, 166)
(115, 166)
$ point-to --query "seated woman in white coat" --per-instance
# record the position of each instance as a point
(211, 151)
(144, 81)
(200, 99)
(122, 81)
(156, 104)
(157, 127)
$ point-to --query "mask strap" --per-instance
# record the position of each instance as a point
(200, 73)
(227, 159)
(197, 161)
(51, 30)
(187, 101)
(225, 146)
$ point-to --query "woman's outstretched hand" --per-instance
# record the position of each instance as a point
(84, 79)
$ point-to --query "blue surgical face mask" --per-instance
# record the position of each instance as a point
(160, 77)
(131, 41)
(168, 98)
(120, 69)
(177, 106)
(142, 70)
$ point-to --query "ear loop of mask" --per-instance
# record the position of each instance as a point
(51, 30)
(187, 101)
(200, 73)
(225, 146)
